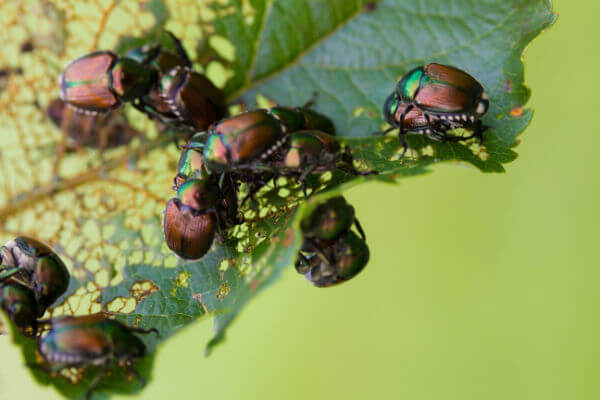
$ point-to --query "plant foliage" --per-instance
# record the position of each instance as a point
(102, 210)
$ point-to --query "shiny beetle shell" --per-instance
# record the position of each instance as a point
(351, 254)
(38, 266)
(20, 305)
(329, 219)
(100, 81)
(188, 234)
(302, 118)
(435, 99)
(158, 56)
(89, 340)
(247, 137)
(189, 228)
(193, 98)
(85, 83)
(441, 89)
(311, 148)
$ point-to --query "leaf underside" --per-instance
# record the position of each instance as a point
(103, 210)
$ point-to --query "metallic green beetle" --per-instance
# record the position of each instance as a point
(19, 303)
(193, 98)
(307, 152)
(242, 142)
(33, 264)
(91, 340)
(331, 252)
(201, 212)
(435, 99)
(101, 81)
(330, 220)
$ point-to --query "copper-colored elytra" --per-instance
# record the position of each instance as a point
(79, 339)
(40, 249)
(86, 82)
(187, 234)
(202, 100)
(444, 98)
(240, 123)
(452, 76)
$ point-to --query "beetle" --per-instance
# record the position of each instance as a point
(435, 99)
(200, 212)
(331, 252)
(21, 306)
(242, 141)
(33, 264)
(100, 81)
(182, 98)
(101, 131)
(193, 98)
(91, 340)
(307, 152)
(329, 220)
(333, 261)
(163, 59)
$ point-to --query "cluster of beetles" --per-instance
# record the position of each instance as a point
(222, 155)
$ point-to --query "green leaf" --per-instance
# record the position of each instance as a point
(103, 211)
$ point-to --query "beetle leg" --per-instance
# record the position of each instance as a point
(311, 102)
(8, 273)
(383, 133)
(98, 378)
(304, 175)
(144, 331)
(320, 253)
(180, 50)
(360, 229)
(404, 145)
(478, 129)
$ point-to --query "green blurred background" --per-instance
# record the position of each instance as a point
(479, 286)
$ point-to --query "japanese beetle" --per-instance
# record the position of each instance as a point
(33, 264)
(331, 252)
(302, 118)
(435, 99)
(331, 262)
(200, 212)
(307, 152)
(242, 141)
(91, 340)
(101, 131)
(164, 59)
(193, 98)
(329, 220)
(19, 303)
(101, 81)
